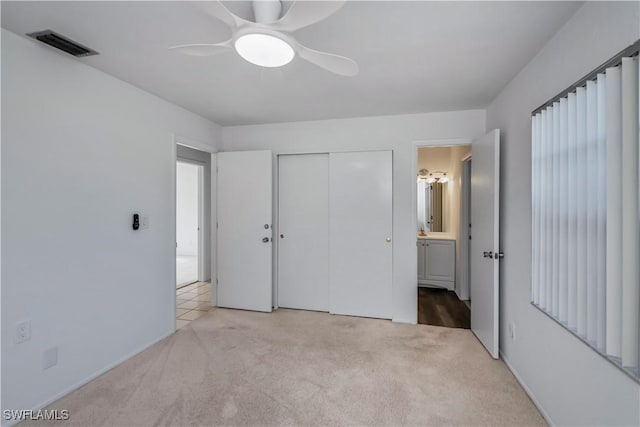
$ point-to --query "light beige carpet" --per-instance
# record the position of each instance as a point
(304, 368)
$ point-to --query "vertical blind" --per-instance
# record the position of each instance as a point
(585, 202)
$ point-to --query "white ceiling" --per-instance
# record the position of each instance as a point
(413, 56)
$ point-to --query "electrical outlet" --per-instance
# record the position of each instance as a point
(512, 330)
(23, 332)
(50, 357)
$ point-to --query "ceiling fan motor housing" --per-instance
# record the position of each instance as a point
(266, 11)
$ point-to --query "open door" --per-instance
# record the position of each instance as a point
(485, 230)
(244, 246)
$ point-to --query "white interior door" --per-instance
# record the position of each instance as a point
(485, 221)
(244, 205)
(303, 227)
(360, 232)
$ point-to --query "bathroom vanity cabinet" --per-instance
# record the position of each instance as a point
(437, 262)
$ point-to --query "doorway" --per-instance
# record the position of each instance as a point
(189, 204)
(438, 252)
(194, 292)
(442, 235)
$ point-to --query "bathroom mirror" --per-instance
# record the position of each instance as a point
(430, 205)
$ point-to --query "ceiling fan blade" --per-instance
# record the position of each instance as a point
(219, 11)
(305, 13)
(203, 49)
(335, 63)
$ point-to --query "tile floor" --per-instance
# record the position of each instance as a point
(192, 302)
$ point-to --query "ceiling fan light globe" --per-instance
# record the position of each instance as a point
(264, 50)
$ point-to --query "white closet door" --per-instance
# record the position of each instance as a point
(303, 227)
(244, 205)
(360, 233)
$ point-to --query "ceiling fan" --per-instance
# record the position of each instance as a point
(268, 41)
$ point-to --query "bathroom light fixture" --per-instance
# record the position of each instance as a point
(264, 50)
(437, 176)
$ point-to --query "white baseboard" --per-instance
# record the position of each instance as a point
(527, 390)
(409, 321)
(90, 378)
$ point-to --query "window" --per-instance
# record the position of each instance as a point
(585, 202)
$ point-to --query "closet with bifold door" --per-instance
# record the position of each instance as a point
(334, 238)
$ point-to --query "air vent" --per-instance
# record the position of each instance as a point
(61, 42)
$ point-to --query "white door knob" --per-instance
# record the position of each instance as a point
(388, 239)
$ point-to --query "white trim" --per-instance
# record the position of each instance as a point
(496, 243)
(192, 143)
(527, 390)
(275, 230)
(213, 229)
(92, 377)
(201, 237)
(189, 161)
(173, 230)
(441, 143)
(463, 248)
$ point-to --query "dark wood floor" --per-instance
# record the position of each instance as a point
(441, 307)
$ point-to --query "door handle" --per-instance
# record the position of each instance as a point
(388, 239)
(488, 254)
(282, 236)
(265, 240)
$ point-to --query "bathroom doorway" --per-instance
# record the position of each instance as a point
(189, 179)
(442, 234)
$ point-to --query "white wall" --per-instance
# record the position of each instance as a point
(187, 209)
(395, 133)
(81, 152)
(571, 382)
